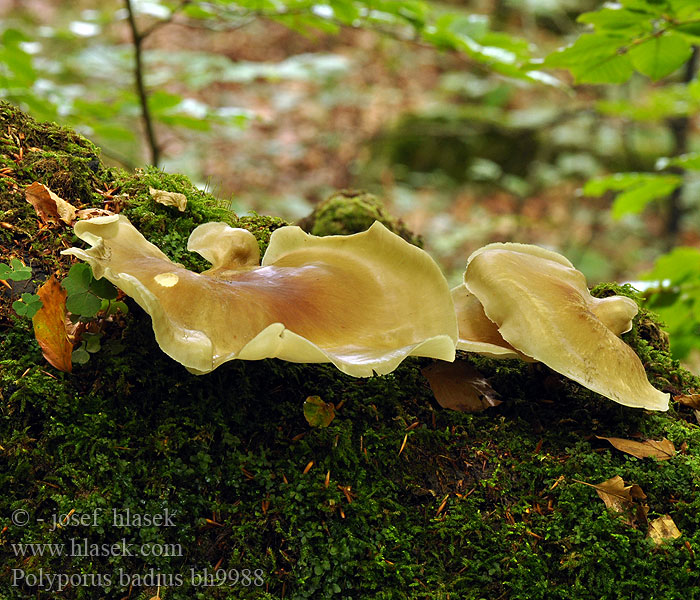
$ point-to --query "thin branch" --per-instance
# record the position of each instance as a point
(158, 24)
(141, 87)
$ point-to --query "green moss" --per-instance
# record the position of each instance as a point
(352, 211)
(475, 506)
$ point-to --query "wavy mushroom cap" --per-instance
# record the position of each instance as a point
(363, 302)
(542, 308)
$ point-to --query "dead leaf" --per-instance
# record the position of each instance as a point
(169, 198)
(317, 412)
(690, 400)
(50, 325)
(662, 529)
(48, 206)
(459, 386)
(621, 498)
(661, 450)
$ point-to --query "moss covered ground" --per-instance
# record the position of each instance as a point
(396, 498)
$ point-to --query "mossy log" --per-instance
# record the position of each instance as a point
(179, 486)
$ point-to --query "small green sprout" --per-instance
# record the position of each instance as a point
(89, 299)
(15, 271)
(89, 345)
(86, 295)
(28, 305)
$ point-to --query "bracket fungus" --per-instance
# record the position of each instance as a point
(363, 302)
(540, 306)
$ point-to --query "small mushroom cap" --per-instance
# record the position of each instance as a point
(543, 308)
(363, 302)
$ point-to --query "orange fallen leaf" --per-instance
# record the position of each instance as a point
(459, 386)
(661, 450)
(662, 529)
(50, 326)
(48, 206)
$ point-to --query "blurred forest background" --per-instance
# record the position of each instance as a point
(465, 117)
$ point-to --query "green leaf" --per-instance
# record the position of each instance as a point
(616, 19)
(660, 56)
(84, 304)
(80, 355)
(637, 190)
(317, 412)
(691, 30)
(28, 306)
(78, 279)
(104, 288)
(115, 307)
(633, 201)
(679, 265)
(594, 58)
(92, 342)
(685, 161)
(160, 101)
(615, 182)
(16, 271)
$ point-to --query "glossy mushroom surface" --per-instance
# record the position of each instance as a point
(363, 302)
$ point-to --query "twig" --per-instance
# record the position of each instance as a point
(141, 87)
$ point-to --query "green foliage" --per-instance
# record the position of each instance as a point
(652, 38)
(676, 297)
(636, 190)
(88, 82)
(85, 293)
(15, 271)
(28, 305)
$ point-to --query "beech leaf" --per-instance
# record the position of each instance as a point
(48, 206)
(169, 198)
(662, 529)
(660, 450)
(621, 498)
(50, 325)
(317, 412)
(690, 400)
(459, 386)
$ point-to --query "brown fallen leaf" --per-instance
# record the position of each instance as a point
(690, 400)
(459, 386)
(50, 326)
(317, 412)
(48, 206)
(169, 198)
(662, 529)
(661, 450)
(621, 498)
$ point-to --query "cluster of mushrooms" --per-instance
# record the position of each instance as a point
(364, 302)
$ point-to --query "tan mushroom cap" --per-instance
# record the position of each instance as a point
(543, 308)
(363, 302)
